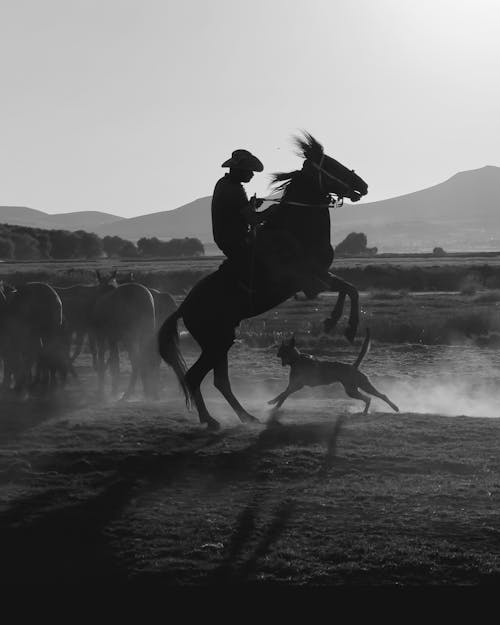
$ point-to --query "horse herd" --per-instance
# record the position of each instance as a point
(43, 329)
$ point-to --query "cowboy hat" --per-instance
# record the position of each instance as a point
(243, 159)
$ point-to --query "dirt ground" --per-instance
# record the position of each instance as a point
(140, 491)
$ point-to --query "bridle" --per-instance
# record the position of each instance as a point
(335, 202)
(323, 171)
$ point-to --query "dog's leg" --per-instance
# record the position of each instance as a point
(291, 388)
(368, 387)
(354, 392)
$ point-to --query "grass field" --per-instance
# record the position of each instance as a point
(393, 272)
(117, 491)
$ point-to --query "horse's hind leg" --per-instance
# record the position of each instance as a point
(343, 288)
(135, 363)
(79, 336)
(150, 370)
(92, 342)
(101, 366)
(222, 383)
(114, 367)
(193, 379)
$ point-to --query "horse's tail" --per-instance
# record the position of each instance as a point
(364, 349)
(168, 345)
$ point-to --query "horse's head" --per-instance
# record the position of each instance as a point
(107, 282)
(331, 176)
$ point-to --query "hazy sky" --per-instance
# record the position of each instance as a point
(130, 106)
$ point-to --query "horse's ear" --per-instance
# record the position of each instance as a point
(113, 274)
(98, 275)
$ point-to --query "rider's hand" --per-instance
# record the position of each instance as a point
(258, 201)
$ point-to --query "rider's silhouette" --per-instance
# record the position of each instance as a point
(232, 212)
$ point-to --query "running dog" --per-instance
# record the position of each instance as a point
(305, 370)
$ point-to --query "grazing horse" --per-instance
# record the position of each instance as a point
(292, 252)
(33, 335)
(164, 303)
(78, 302)
(126, 315)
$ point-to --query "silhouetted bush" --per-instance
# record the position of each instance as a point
(6, 248)
(128, 250)
(25, 246)
(34, 243)
(438, 251)
(355, 245)
(153, 247)
(89, 245)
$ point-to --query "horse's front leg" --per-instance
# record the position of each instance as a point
(343, 288)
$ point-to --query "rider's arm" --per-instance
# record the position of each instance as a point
(253, 217)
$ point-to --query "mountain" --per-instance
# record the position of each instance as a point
(82, 220)
(191, 220)
(458, 214)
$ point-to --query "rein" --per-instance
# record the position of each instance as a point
(331, 204)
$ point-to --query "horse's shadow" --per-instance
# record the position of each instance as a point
(65, 543)
(51, 538)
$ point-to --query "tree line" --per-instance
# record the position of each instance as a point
(25, 243)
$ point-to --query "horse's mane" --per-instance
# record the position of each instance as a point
(309, 149)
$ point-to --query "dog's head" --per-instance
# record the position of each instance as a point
(288, 352)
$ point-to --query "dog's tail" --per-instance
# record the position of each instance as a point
(364, 349)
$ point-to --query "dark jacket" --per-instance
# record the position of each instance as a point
(229, 226)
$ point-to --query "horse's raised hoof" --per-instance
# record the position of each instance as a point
(350, 335)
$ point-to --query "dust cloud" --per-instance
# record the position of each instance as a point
(460, 381)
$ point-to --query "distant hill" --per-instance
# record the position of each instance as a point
(191, 220)
(461, 213)
(82, 220)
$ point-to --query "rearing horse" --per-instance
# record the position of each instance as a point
(292, 252)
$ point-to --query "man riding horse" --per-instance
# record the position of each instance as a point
(234, 217)
(298, 227)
